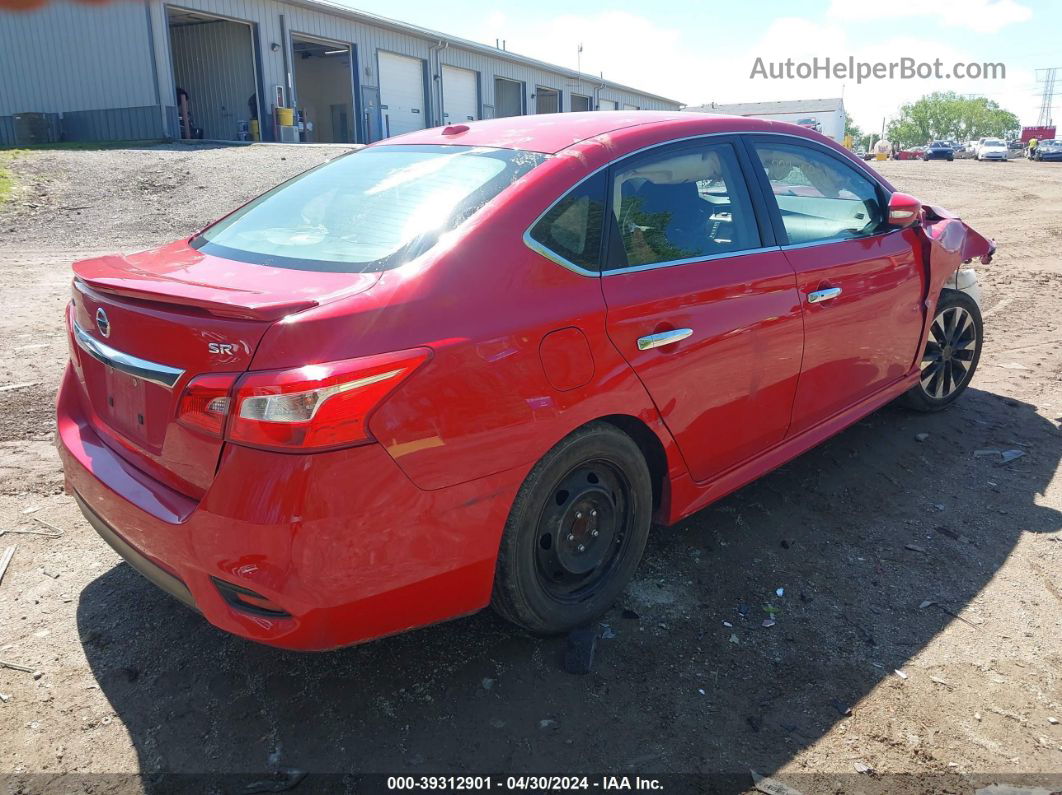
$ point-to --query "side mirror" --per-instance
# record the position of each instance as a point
(904, 210)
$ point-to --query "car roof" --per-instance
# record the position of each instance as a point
(552, 132)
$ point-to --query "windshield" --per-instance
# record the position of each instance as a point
(993, 142)
(366, 211)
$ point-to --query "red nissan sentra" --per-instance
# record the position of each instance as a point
(475, 364)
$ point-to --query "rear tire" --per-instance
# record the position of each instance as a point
(951, 353)
(575, 533)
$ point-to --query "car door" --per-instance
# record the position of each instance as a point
(860, 282)
(701, 302)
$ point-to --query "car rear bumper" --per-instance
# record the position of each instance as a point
(306, 552)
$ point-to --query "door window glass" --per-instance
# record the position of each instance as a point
(683, 205)
(818, 196)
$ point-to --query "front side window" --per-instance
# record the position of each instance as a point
(368, 211)
(571, 228)
(818, 196)
(683, 205)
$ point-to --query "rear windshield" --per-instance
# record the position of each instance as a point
(367, 211)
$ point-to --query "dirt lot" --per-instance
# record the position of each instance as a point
(894, 555)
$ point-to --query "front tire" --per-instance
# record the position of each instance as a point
(575, 533)
(951, 353)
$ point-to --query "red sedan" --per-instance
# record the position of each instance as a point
(475, 364)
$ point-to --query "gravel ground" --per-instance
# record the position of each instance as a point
(895, 555)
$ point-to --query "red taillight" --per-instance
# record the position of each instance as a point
(204, 404)
(319, 405)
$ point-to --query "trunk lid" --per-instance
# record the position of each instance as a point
(143, 326)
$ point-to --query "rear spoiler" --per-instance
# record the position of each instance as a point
(116, 275)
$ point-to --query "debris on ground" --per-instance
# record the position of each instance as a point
(5, 560)
(771, 786)
(279, 781)
(863, 767)
(16, 666)
(899, 673)
(768, 623)
(11, 387)
(547, 723)
(921, 437)
(487, 683)
(841, 707)
(915, 548)
(925, 604)
(579, 656)
(1011, 455)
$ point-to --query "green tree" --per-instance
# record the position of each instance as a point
(947, 115)
(851, 128)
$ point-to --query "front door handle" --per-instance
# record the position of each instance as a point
(663, 338)
(819, 296)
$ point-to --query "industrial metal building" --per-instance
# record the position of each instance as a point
(216, 69)
(824, 115)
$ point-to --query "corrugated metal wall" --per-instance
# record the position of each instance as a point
(214, 62)
(370, 38)
(70, 57)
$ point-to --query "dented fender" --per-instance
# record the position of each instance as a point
(948, 243)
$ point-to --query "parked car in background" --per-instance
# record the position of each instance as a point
(475, 364)
(1051, 149)
(992, 149)
(939, 150)
(912, 153)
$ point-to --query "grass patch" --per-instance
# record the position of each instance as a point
(81, 146)
(7, 179)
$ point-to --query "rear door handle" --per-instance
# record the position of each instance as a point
(819, 296)
(663, 338)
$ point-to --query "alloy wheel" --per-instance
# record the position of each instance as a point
(949, 354)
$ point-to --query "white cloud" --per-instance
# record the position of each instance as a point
(980, 16)
(632, 49)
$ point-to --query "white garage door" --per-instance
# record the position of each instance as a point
(606, 104)
(460, 95)
(629, 107)
(402, 103)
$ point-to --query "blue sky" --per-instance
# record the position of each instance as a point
(699, 52)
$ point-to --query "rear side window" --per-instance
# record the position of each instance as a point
(819, 197)
(571, 228)
(683, 205)
(368, 211)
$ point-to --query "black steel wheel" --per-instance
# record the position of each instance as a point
(576, 531)
(952, 352)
